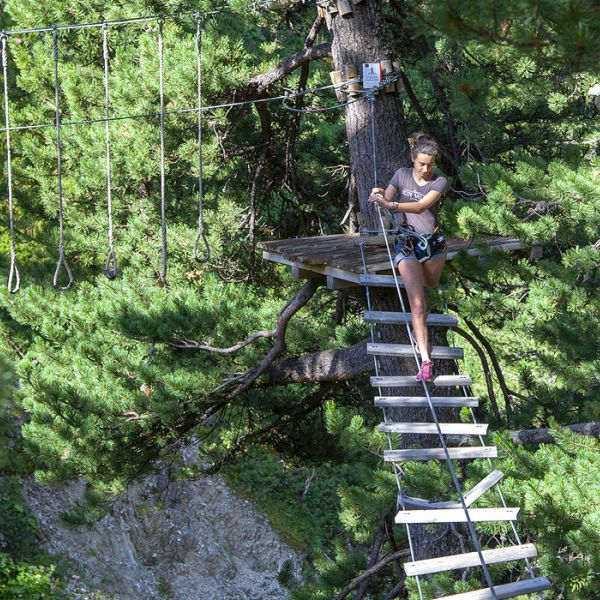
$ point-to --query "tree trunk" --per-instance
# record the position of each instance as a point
(361, 38)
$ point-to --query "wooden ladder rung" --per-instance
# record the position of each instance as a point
(457, 515)
(506, 590)
(483, 486)
(470, 559)
(467, 452)
(407, 350)
(395, 318)
(446, 428)
(416, 401)
(391, 381)
(379, 280)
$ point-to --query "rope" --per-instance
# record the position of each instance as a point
(201, 235)
(62, 261)
(442, 440)
(163, 219)
(14, 280)
(110, 266)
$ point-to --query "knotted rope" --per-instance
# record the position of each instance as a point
(14, 280)
(62, 261)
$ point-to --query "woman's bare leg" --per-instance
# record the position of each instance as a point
(432, 271)
(411, 272)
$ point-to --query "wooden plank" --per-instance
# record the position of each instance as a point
(391, 381)
(457, 515)
(323, 270)
(469, 559)
(394, 318)
(380, 280)
(506, 590)
(442, 352)
(483, 486)
(426, 428)
(466, 452)
(414, 401)
(333, 283)
(299, 274)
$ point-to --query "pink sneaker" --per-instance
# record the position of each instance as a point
(426, 372)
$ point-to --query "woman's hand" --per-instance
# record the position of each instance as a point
(377, 196)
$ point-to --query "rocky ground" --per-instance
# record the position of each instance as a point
(184, 540)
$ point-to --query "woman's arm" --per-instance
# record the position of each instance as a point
(385, 200)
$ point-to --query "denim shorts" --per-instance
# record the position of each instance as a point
(404, 252)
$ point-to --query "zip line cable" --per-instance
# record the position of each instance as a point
(457, 486)
(110, 265)
(62, 261)
(201, 235)
(14, 280)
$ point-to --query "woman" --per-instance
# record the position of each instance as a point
(417, 190)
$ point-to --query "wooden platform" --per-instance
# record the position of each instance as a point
(338, 257)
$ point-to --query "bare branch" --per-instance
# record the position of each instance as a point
(305, 293)
(261, 83)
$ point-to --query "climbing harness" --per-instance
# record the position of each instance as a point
(201, 234)
(14, 280)
(110, 265)
(473, 534)
(163, 218)
(424, 245)
(62, 261)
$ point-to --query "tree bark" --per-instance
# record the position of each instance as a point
(535, 437)
(361, 38)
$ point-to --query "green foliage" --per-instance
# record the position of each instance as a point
(558, 488)
(105, 380)
(22, 581)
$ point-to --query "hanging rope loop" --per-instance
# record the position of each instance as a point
(163, 218)
(62, 261)
(204, 256)
(110, 265)
(14, 280)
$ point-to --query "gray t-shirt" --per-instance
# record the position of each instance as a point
(410, 191)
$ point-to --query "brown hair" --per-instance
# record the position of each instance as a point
(422, 143)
